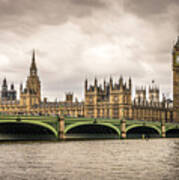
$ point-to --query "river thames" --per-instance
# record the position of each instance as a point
(156, 159)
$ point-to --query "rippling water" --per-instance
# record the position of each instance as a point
(156, 159)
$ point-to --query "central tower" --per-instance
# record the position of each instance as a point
(31, 95)
(33, 82)
(176, 81)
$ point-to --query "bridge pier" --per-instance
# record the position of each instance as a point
(61, 134)
(123, 129)
(163, 130)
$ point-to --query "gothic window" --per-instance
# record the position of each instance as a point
(126, 98)
(98, 112)
(90, 99)
(108, 113)
(103, 113)
(116, 113)
(115, 98)
(24, 101)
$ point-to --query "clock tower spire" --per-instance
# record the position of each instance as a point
(33, 68)
(176, 80)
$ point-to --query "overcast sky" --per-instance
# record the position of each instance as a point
(78, 39)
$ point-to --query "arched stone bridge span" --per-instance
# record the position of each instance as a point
(120, 128)
(93, 130)
(28, 127)
(44, 127)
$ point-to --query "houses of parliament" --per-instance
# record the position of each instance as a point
(112, 100)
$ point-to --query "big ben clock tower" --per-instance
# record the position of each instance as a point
(176, 81)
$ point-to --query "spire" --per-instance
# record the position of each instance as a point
(121, 79)
(95, 82)
(130, 83)
(12, 86)
(86, 84)
(33, 56)
(33, 69)
(21, 87)
(4, 83)
(111, 82)
(121, 82)
(104, 84)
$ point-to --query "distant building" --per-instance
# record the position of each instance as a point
(8, 94)
(112, 100)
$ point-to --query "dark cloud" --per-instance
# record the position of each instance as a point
(87, 38)
(146, 8)
(32, 14)
(92, 3)
(155, 11)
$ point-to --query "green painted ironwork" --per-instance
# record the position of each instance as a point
(144, 125)
(171, 127)
(50, 123)
(130, 124)
(92, 123)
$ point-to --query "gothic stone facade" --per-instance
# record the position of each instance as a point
(113, 100)
(176, 81)
(30, 99)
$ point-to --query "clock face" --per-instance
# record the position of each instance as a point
(177, 60)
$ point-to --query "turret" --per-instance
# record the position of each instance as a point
(140, 95)
(111, 83)
(4, 91)
(69, 97)
(12, 87)
(130, 83)
(154, 94)
(95, 83)
(21, 87)
(4, 86)
(104, 84)
(12, 93)
(86, 85)
(121, 82)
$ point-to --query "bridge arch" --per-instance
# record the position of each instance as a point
(91, 124)
(172, 132)
(139, 130)
(27, 124)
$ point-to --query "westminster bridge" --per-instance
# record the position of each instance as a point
(48, 127)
